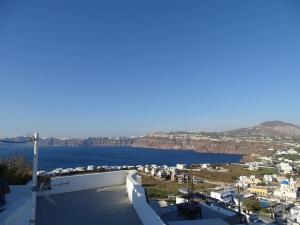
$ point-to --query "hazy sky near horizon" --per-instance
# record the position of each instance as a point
(122, 68)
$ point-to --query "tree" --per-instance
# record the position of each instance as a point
(252, 205)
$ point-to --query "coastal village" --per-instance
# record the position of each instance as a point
(150, 112)
(264, 191)
(263, 188)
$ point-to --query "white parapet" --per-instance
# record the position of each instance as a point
(137, 198)
(87, 181)
(19, 212)
(139, 179)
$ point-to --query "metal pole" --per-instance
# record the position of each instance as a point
(239, 203)
(34, 178)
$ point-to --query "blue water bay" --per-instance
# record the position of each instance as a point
(65, 157)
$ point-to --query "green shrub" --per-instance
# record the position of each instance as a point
(266, 171)
(156, 193)
(252, 205)
(265, 211)
(16, 170)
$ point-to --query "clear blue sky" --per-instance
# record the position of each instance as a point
(110, 68)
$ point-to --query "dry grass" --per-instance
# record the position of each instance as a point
(164, 188)
(233, 174)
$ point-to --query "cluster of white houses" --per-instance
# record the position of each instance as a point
(177, 173)
(280, 184)
(82, 169)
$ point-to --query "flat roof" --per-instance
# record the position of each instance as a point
(17, 192)
(107, 206)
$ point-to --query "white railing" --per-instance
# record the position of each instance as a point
(136, 195)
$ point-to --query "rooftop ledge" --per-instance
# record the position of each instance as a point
(99, 198)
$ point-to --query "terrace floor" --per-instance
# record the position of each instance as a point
(89, 207)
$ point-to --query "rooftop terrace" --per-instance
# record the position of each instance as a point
(107, 198)
(108, 206)
(88, 199)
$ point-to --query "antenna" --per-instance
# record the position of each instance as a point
(34, 178)
(34, 139)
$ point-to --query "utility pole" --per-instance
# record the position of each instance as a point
(192, 182)
(239, 202)
(188, 178)
(34, 178)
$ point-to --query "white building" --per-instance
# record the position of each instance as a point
(242, 182)
(147, 169)
(140, 168)
(67, 171)
(245, 181)
(288, 189)
(41, 172)
(57, 171)
(286, 168)
(161, 174)
(205, 165)
(224, 195)
(282, 152)
(270, 178)
(294, 217)
(90, 168)
(292, 151)
(153, 172)
(173, 170)
(181, 166)
(254, 166)
(79, 169)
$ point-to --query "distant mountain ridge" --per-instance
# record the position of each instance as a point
(251, 142)
(75, 142)
(273, 129)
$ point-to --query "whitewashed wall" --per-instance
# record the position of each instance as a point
(87, 181)
(137, 198)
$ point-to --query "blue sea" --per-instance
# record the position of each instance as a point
(65, 157)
